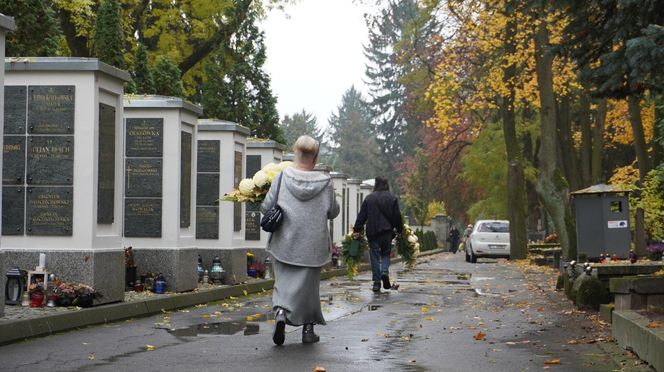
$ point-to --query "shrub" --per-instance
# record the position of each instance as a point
(427, 240)
(591, 294)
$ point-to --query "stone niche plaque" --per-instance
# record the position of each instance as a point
(49, 211)
(253, 165)
(15, 101)
(50, 160)
(51, 109)
(207, 189)
(106, 165)
(145, 137)
(252, 229)
(13, 160)
(207, 223)
(142, 218)
(208, 156)
(143, 177)
(237, 177)
(185, 179)
(13, 208)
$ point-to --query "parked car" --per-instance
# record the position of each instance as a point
(489, 238)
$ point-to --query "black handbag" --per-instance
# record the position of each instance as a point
(274, 216)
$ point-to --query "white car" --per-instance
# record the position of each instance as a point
(489, 238)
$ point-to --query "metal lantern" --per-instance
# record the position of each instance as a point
(14, 286)
(217, 272)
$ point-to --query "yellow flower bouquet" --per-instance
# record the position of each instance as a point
(254, 189)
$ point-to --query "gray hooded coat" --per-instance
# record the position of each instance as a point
(308, 202)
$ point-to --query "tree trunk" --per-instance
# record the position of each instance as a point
(634, 105)
(551, 185)
(597, 173)
(78, 45)
(516, 186)
(567, 153)
(586, 140)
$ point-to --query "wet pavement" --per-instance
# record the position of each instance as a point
(448, 315)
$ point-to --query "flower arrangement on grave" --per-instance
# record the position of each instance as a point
(656, 250)
(352, 254)
(76, 294)
(335, 255)
(36, 291)
(408, 246)
(254, 189)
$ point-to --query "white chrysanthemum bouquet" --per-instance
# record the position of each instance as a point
(254, 189)
(408, 246)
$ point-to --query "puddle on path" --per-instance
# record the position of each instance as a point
(217, 328)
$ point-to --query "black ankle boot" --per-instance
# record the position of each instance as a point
(308, 335)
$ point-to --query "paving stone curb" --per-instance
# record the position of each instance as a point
(15, 330)
(630, 330)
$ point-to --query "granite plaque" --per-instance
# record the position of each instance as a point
(252, 218)
(208, 156)
(207, 222)
(145, 137)
(49, 211)
(185, 179)
(13, 210)
(106, 165)
(253, 165)
(50, 160)
(15, 109)
(143, 177)
(51, 109)
(142, 218)
(13, 160)
(237, 177)
(207, 189)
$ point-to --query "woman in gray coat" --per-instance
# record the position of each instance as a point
(301, 245)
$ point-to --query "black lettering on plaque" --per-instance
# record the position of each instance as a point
(13, 160)
(145, 137)
(185, 179)
(49, 211)
(207, 189)
(253, 165)
(207, 223)
(50, 160)
(143, 178)
(237, 177)
(15, 98)
(106, 165)
(51, 109)
(252, 218)
(142, 218)
(13, 210)
(208, 156)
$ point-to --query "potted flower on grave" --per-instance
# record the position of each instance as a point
(85, 295)
(66, 294)
(130, 268)
(335, 255)
(36, 290)
(656, 250)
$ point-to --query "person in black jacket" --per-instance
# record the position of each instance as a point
(380, 212)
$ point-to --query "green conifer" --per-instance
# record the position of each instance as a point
(167, 79)
(108, 37)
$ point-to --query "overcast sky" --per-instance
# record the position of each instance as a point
(314, 54)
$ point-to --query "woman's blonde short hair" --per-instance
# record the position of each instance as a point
(305, 148)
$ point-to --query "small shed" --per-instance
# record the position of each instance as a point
(602, 221)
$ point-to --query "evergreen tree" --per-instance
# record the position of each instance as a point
(167, 78)
(142, 75)
(299, 124)
(354, 145)
(238, 89)
(108, 37)
(33, 17)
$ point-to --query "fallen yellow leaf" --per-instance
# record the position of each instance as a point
(424, 309)
(250, 318)
(552, 361)
(429, 318)
(319, 369)
(91, 356)
(244, 292)
(149, 347)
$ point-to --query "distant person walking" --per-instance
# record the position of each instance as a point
(301, 245)
(380, 212)
(453, 238)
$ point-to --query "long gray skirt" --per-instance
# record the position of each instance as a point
(296, 290)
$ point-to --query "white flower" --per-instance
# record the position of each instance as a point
(246, 186)
(271, 167)
(416, 248)
(412, 239)
(285, 164)
(260, 178)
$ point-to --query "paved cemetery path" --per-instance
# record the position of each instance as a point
(448, 315)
